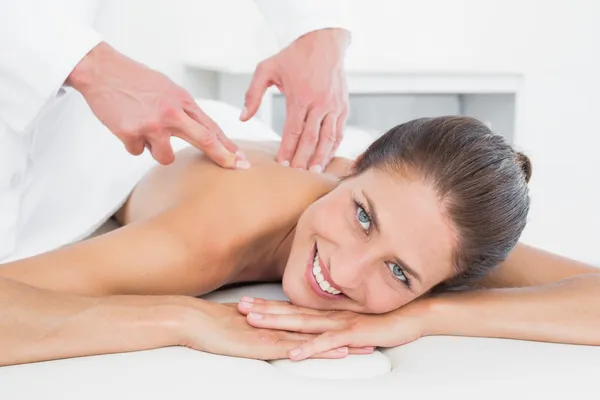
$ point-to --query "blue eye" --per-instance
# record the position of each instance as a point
(363, 218)
(397, 271)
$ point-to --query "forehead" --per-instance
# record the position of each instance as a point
(411, 221)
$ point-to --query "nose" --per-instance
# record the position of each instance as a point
(350, 268)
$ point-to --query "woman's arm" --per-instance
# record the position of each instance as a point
(39, 325)
(562, 306)
(534, 295)
(160, 255)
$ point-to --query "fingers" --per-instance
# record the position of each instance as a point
(342, 352)
(303, 323)
(292, 130)
(334, 353)
(327, 138)
(339, 135)
(361, 350)
(160, 148)
(134, 145)
(261, 80)
(321, 344)
(310, 144)
(248, 304)
(208, 139)
(308, 140)
(197, 114)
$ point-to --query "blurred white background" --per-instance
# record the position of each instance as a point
(553, 46)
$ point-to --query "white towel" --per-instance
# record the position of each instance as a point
(83, 173)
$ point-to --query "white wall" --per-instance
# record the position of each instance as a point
(555, 44)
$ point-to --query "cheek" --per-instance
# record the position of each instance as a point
(328, 215)
(383, 296)
(383, 299)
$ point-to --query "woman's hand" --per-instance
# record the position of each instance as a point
(221, 329)
(336, 329)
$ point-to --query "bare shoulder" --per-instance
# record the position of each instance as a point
(266, 185)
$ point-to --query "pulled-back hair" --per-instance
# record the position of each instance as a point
(480, 181)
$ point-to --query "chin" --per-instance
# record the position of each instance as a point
(294, 291)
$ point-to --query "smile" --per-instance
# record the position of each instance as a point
(318, 278)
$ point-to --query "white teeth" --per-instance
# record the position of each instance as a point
(323, 284)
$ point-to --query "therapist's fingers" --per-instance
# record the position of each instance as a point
(160, 148)
(327, 138)
(262, 79)
(292, 130)
(308, 139)
(197, 114)
(339, 132)
(134, 144)
(207, 139)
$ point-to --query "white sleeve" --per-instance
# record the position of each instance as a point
(40, 44)
(291, 19)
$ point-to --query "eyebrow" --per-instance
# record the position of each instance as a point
(375, 221)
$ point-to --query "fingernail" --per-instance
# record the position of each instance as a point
(240, 155)
(245, 304)
(285, 163)
(295, 352)
(248, 299)
(244, 112)
(255, 315)
(242, 164)
(316, 168)
(343, 349)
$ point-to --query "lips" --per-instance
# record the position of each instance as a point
(324, 273)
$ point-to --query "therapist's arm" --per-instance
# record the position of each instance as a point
(45, 49)
(533, 295)
(309, 71)
(144, 108)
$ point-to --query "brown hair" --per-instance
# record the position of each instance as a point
(480, 180)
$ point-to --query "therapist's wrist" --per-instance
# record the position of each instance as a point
(87, 72)
(334, 39)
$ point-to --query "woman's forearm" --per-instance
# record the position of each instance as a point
(39, 325)
(567, 311)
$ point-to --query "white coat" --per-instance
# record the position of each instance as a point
(40, 43)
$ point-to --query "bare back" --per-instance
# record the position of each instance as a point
(189, 228)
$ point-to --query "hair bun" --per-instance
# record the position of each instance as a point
(525, 164)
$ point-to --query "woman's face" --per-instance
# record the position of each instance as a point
(373, 244)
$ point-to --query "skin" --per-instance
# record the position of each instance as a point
(273, 237)
(174, 245)
(310, 74)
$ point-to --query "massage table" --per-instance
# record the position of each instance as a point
(431, 367)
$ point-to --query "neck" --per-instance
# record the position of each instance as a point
(268, 257)
(281, 254)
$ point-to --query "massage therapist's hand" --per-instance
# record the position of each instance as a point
(221, 329)
(338, 328)
(310, 74)
(144, 108)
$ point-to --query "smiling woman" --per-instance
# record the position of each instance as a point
(433, 204)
